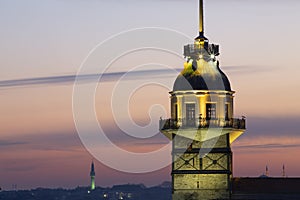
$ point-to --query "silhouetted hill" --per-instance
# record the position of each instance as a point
(243, 188)
(124, 192)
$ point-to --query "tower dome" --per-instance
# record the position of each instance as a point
(201, 75)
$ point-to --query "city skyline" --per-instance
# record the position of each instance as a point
(39, 143)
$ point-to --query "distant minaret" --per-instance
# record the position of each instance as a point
(283, 172)
(267, 170)
(92, 174)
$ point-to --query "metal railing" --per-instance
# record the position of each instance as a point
(196, 49)
(165, 124)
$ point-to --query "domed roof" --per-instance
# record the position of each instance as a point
(201, 75)
(264, 176)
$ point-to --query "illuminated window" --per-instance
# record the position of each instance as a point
(211, 111)
(190, 114)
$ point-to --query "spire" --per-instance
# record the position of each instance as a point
(201, 36)
(201, 22)
(267, 170)
(92, 173)
(283, 172)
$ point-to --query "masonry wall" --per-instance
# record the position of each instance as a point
(198, 175)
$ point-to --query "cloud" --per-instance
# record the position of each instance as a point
(112, 76)
(70, 79)
(165, 142)
(68, 142)
(244, 69)
(267, 143)
(267, 146)
(25, 167)
(64, 141)
(271, 126)
(5, 143)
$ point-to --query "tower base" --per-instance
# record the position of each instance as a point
(201, 195)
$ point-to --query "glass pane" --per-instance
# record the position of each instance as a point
(211, 111)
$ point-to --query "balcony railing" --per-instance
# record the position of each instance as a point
(196, 50)
(165, 124)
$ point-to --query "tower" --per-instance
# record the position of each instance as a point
(267, 170)
(92, 175)
(201, 126)
(283, 172)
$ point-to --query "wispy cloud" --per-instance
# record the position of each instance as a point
(70, 79)
(63, 141)
(25, 167)
(111, 76)
(5, 143)
(268, 146)
(276, 126)
(242, 69)
(267, 143)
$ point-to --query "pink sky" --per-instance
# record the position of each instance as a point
(39, 145)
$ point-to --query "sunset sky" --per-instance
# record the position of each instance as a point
(44, 44)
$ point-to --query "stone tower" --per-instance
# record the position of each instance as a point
(201, 126)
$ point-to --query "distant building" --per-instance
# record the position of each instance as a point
(266, 174)
(202, 126)
(266, 188)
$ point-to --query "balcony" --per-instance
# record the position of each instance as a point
(165, 124)
(192, 50)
